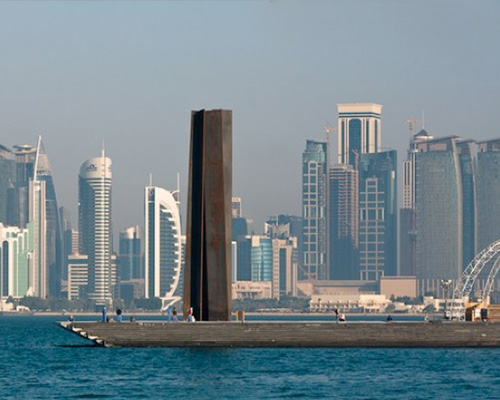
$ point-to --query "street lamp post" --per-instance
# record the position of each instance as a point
(445, 284)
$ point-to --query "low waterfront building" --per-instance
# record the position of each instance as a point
(251, 290)
(398, 286)
(349, 302)
(78, 275)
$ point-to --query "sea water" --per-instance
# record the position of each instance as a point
(39, 360)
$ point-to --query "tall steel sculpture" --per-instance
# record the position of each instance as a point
(207, 275)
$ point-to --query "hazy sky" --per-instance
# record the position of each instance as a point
(131, 72)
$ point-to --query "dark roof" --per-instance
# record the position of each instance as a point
(422, 132)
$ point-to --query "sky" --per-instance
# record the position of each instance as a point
(128, 74)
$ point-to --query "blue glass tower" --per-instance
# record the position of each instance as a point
(314, 198)
(378, 215)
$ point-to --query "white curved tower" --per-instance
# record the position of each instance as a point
(163, 247)
(94, 209)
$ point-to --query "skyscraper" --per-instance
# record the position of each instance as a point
(261, 258)
(469, 200)
(94, 222)
(243, 258)
(285, 267)
(7, 182)
(33, 198)
(344, 223)
(378, 215)
(67, 239)
(314, 198)
(38, 276)
(130, 259)
(163, 244)
(359, 130)
(407, 245)
(53, 234)
(16, 250)
(237, 211)
(444, 199)
(284, 226)
(25, 156)
(488, 193)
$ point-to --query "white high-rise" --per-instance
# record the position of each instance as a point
(38, 274)
(359, 130)
(163, 244)
(94, 219)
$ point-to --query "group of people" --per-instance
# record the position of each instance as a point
(106, 318)
(172, 315)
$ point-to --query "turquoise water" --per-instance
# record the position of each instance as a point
(42, 361)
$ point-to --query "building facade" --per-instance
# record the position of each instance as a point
(439, 209)
(488, 193)
(53, 235)
(261, 258)
(377, 215)
(313, 265)
(343, 223)
(285, 267)
(407, 235)
(359, 128)
(163, 245)
(7, 182)
(16, 255)
(236, 208)
(130, 258)
(27, 194)
(39, 273)
(78, 276)
(95, 226)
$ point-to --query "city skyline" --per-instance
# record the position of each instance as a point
(135, 91)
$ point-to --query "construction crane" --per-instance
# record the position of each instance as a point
(328, 130)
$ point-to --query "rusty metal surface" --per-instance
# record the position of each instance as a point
(207, 279)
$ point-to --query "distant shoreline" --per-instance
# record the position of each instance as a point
(160, 314)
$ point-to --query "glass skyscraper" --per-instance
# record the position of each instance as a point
(469, 200)
(261, 258)
(130, 259)
(16, 250)
(314, 203)
(445, 209)
(53, 234)
(27, 193)
(7, 182)
(344, 223)
(378, 215)
(488, 193)
(407, 245)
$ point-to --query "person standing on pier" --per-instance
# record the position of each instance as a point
(174, 315)
(119, 316)
(191, 317)
(169, 314)
(104, 314)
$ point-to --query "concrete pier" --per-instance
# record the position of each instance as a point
(289, 334)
